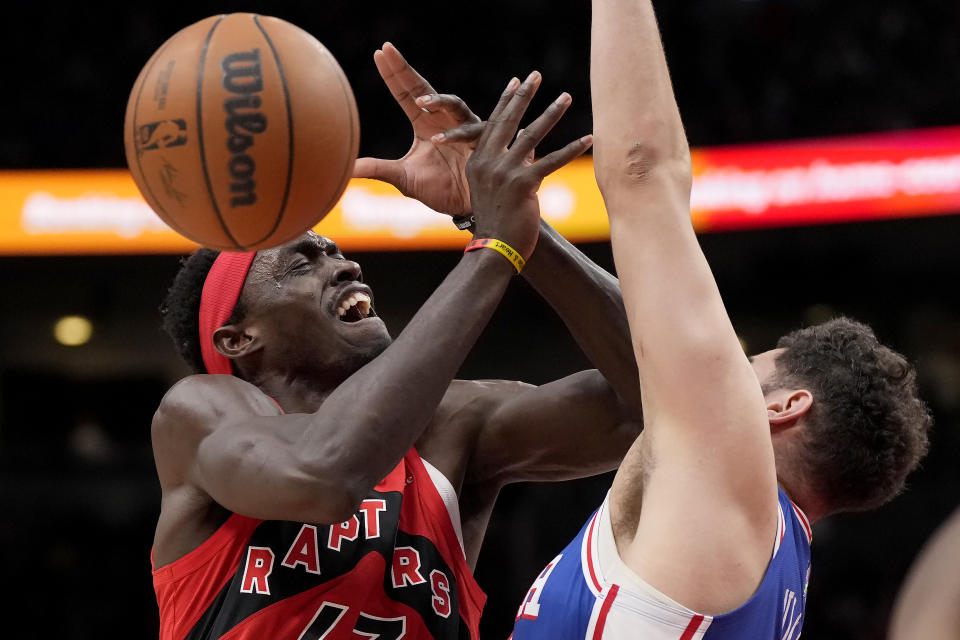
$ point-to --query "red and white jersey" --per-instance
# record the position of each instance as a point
(395, 569)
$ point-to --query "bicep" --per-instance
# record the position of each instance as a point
(699, 391)
(255, 468)
(235, 445)
(569, 428)
(707, 440)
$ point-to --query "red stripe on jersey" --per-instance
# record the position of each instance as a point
(593, 575)
(604, 610)
(210, 566)
(802, 517)
(692, 628)
(421, 499)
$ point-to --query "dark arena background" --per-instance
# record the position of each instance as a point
(78, 491)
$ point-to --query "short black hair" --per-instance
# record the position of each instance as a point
(868, 428)
(181, 308)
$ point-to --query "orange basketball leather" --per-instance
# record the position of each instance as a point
(241, 131)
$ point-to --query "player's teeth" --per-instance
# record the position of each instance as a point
(364, 307)
(341, 311)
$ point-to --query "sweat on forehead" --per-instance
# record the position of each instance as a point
(269, 264)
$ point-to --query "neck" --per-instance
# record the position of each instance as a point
(812, 507)
(297, 386)
(295, 393)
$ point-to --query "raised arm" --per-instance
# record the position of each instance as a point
(223, 436)
(706, 445)
(446, 131)
(588, 300)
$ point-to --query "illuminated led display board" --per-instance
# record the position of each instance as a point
(821, 181)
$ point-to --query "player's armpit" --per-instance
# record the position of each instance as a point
(229, 440)
(569, 428)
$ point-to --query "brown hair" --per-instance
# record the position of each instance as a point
(867, 428)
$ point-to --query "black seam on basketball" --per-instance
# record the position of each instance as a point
(203, 156)
(286, 98)
(136, 153)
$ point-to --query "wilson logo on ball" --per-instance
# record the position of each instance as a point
(241, 131)
(242, 75)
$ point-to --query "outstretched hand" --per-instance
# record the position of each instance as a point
(432, 172)
(502, 173)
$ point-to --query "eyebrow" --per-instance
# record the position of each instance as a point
(309, 248)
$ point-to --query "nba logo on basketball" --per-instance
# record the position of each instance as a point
(162, 134)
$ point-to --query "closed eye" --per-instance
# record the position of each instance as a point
(299, 268)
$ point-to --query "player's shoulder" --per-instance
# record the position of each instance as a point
(463, 411)
(475, 401)
(195, 403)
(483, 393)
(194, 408)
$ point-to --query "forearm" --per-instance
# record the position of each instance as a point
(380, 411)
(588, 300)
(637, 123)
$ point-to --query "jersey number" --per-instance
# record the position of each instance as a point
(372, 627)
(530, 607)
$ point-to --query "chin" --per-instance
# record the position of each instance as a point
(360, 355)
(376, 347)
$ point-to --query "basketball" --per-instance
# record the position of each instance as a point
(241, 132)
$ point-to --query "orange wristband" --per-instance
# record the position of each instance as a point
(500, 247)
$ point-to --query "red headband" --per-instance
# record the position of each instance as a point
(221, 290)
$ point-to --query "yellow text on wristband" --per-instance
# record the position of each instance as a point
(500, 247)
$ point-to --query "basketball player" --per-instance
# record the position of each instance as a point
(705, 532)
(317, 489)
(928, 605)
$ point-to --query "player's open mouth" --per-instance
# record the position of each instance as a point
(355, 307)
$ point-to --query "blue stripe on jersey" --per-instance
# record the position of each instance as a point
(559, 603)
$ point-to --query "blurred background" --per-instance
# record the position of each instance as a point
(78, 492)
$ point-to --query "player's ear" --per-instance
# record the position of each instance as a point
(234, 341)
(788, 407)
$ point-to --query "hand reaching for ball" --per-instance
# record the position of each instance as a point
(432, 173)
(446, 133)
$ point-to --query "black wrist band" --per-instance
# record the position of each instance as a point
(465, 223)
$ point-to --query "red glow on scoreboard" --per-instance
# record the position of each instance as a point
(891, 175)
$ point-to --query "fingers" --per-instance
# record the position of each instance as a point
(403, 80)
(389, 171)
(531, 136)
(559, 158)
(505, 98)
(464, 133)
(504, 122)
(450, 104)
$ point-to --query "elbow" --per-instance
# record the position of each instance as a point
(331, 492)
(631, 164)
(324, 502)
(341, 505)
